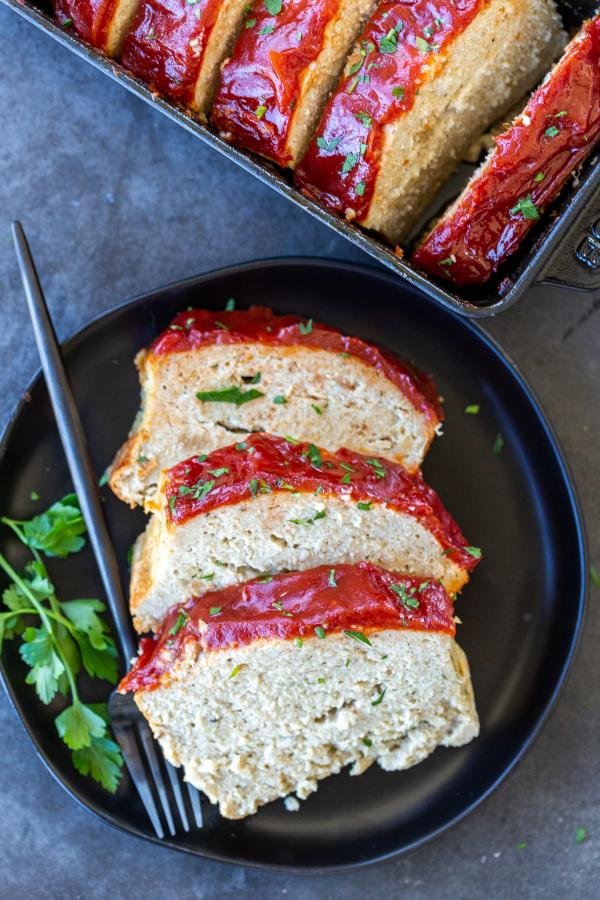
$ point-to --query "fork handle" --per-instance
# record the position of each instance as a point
(85, 479)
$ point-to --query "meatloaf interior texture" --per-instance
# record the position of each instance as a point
(254, 713)
(524, 172)
(269, 508)
(274, 86)
(317, 385)
(417, 91)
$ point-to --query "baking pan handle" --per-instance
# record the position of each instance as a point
(576, 262)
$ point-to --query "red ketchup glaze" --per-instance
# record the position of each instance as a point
(357, 598)
(166, 43)
(266, 463)
(341, 165)
(197, 328)
(470, 243)
(261, 82)
(90, 19)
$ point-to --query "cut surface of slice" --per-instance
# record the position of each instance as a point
(350, 665)
(267, 505)
(287, 59)
(214, 375)
(102, 23)
(524, 173)
(421, 85)
(177, 46)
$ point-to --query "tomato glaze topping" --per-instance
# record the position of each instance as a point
(260, 84)
(166, 43)
(197, 328)
(400, 47)
(356, 599)
(264, 463)
(531, 162)
(90, 19)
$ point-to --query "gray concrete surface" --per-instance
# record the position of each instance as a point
(117, 200)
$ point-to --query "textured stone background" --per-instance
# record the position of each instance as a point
(117, 200)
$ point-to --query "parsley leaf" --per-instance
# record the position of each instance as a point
(229, 395)
(56, 532)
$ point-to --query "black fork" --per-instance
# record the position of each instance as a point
(152, 775)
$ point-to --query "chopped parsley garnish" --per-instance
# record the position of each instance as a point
(235, 671)
(252, 379)
(365, 118)
(229, 395)
(498, 444)
(475, 552)
(360, 188)
(448, 260)
(321, 680)
(367, 742)
(198, 491)
(472, 409)
(66, 23)
(299, 642)
(379, 698)
(273, 6)
(208, 577)
(422, 586)
(365, 505)
(308, 522)
(215, 610)
(539, 177)
(552, 131)
(317, 409)
(259, 113)
(34, 496)
(241, 446)
(218, 472)
(172, 502)
(202, 458)
(349, 163)
(328, 146)
(358, 636)
(279, 399)
(377, 465)
(424, 47)
(320, 631)
(230, 305)
(266, 579)
(389, 42)
(250, 23)
(103, 478)
(398, 92)
(179, 622)
(407, 598)
(521, 845)
(314, 454)
(332, 581)
(306, 327)
(269, 28)
(526, 207)
(142, 460)
(580, 835)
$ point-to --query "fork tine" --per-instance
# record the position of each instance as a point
(154, 766)
(173, 774)
(135, 767)
(194, 796)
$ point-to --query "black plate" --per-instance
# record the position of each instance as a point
(522, 612)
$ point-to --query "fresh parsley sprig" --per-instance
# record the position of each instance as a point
(60, 639)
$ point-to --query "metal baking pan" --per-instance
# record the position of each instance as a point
(563, 250)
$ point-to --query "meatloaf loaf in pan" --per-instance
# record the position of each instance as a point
(269, 504)
(523, 174)
(263, 689)
(423, 82)
(102, 23)
(212, 375)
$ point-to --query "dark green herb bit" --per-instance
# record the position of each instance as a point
(179, 622)
(34, 496)
(580, 835)
(526, 207)
(229, 395)
(172, 502)
(498, 444)
(365, 118)
(306, 327)
(424, 47)
(407, 597)
(250, 23)
(349, 163)
(320, 631)
(521, 845)
(332, 581)
(472, 409)
(448, 260)
(259, 113)
(215, 610)
(130, 555)
(269, 28)
(273, 6)
(279, 400)
(539, 177)
(475, 552)
(314, 454)
(230, 305)
(379, 698)
(360, 188)
(241, 446)
(377, 465)
(201, 459)
(321, 680)
(552, 131)
(104, 478)
(317, 409)
(142, 460)
(218, 472)
(208, 577)
(398, 92)
(365, 505)
(308, 522)
(198, 491)
(358, 636)
(235, 671)
(328, 146)
(367, 742)
(299, 642)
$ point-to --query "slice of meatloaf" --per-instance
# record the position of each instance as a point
(214, 374)
(102, 23)
(525, 171)
(421, 85)
(177, 46)
(262, 689)
(270, 504)
(285, 63)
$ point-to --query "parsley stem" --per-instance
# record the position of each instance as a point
(17, 612)
(14, 525)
